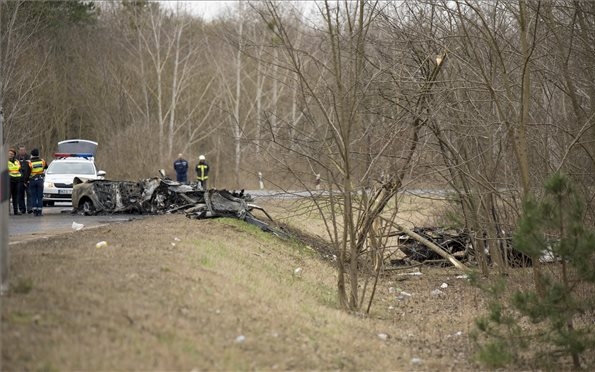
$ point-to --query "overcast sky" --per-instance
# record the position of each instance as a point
(209, 9)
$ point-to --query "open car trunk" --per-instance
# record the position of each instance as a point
(77, 146)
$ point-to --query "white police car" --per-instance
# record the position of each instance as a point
(75, 158)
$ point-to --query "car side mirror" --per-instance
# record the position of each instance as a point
(101, 174)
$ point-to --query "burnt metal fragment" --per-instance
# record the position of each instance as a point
(161, 196)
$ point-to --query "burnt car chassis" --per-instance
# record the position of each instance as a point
(160, 195)
(457, 242)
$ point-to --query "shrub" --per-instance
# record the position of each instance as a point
(539, 328)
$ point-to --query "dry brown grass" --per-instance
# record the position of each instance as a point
(304, 214)
(150, 302)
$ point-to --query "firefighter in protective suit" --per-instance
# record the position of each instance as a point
(202, 172)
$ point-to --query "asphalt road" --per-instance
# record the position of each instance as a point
(56, 220)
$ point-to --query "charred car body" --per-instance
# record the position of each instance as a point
(457, 242)
(161, 195)
(150, 196)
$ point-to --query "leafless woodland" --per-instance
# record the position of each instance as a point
(482, 100)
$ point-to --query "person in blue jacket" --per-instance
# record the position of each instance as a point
(181, 167)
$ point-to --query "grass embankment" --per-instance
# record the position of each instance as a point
(170, 293)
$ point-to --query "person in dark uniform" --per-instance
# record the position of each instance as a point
(202, 172)
(16, 179)
(37, 173)
(23, 158)
(181, 167)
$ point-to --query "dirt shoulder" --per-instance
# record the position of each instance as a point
(170, 293)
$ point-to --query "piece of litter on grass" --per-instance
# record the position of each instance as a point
(437, 292)
(383, 336)
(444, 285)
(297, 271)
(240, 339)
(465, 276)
(416, 361)
(403, 295)
(416, 273)
(101, 244)
(459, 333)
(77, 226)
(178, 239)
(173, 244)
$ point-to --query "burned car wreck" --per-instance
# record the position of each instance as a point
(457, 242)
(160, 195)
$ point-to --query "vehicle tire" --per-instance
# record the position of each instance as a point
(87, 207)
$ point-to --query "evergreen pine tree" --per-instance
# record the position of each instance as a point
(560, 320)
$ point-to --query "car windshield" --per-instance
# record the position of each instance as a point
(71, 167)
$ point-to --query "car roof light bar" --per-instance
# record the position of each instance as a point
(85, 155)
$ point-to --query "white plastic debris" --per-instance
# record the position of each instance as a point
(101, 244)
(77, 226)
(240, 339)
(173, 244)
(444, 285)
(437, 292)
(383, 336)
(465, 276)
(415, 273)
(404, 295)
(456, 334)
(297, 271)
(416, 361)
(547, 256)
(177, 239)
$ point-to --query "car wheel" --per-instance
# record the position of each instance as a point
(88, 207)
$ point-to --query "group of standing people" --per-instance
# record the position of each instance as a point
(26, 173)
(202, 170)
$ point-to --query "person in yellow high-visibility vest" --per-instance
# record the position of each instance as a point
(14, 173)
(202, 172)
(36, 176)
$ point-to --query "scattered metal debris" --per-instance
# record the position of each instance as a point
(160, 195)
(456, 242)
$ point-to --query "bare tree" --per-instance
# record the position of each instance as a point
(21, 70)
(170, 95)
(337, 86)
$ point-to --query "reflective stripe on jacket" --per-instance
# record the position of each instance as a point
(14, 169)
(202, 172)
(37, 167)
